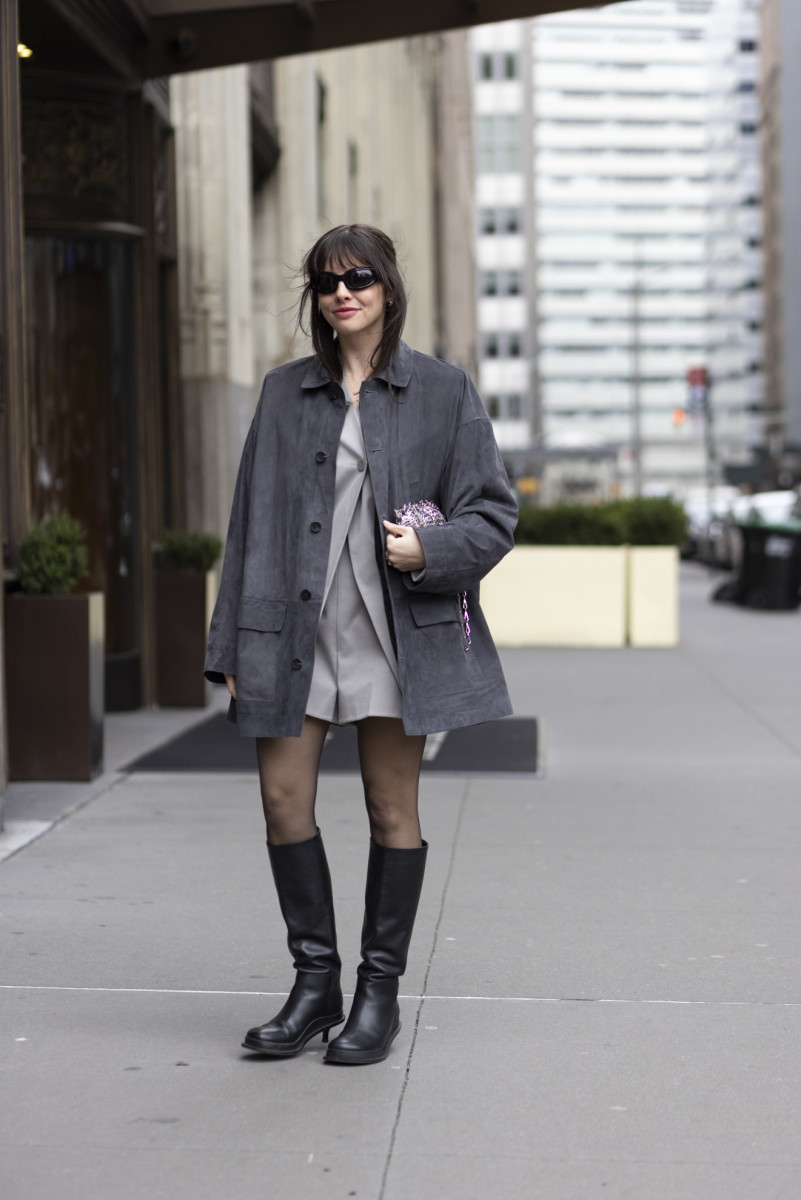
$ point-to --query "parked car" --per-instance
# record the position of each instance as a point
(706, 521)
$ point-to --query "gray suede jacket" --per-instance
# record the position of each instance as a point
(433, 441)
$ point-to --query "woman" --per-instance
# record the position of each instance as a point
(331, 611)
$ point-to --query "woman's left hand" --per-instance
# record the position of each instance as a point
(404, 550)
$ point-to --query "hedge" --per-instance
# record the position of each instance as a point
(642, 521)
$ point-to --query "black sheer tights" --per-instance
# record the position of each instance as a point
(390, 766)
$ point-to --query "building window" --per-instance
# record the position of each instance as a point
(486, 159)
(498, 137)
(494, 407)
(510, 220)
(501, 283)
(500, 220)
(509, 159)
(507, 344)
(514, 406)
(486, 128)
(508, 126)
(498, 66)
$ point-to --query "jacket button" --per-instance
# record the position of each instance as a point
(360, 465)
(296, 664)
(315, 527)
(305, 594)
(321, 456)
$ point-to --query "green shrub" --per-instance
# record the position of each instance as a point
(652, 521)
(643, 521)
(569, 525)
(184, 551)
(52, 556)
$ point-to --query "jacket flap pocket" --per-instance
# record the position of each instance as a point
(265, 615)
(430, 608)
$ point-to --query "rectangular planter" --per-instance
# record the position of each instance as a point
(603, 596)
(54, 673)
(653, 595)
(558, 596)
(184, 604)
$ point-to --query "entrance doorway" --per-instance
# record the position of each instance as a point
(82, 425)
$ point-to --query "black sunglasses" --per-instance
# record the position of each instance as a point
(355, 278)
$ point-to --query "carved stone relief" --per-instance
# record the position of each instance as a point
(76, 151)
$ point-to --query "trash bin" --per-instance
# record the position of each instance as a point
(770, 570)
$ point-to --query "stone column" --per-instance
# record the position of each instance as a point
(210, 111)
(457, 336)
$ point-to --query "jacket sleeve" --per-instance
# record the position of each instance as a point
(221, 652)
(479, 507)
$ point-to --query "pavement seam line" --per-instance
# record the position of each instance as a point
(51, 825)
(422, 998)
(54, 987)
(754, 714)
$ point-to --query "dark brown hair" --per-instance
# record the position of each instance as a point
(340, 248)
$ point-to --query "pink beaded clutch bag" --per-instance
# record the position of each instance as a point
(426, 512)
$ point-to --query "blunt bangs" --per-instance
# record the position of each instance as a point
(348, 246)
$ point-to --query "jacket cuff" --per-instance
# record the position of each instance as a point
(218, 666)
(433, 577)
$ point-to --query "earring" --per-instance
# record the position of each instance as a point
(389, 304)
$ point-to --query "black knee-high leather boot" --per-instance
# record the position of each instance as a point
(394, 883)
(314, 1005)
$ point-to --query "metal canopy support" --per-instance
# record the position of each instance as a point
(227, 34)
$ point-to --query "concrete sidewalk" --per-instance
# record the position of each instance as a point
(604, 991)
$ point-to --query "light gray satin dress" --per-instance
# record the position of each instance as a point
(355, 671)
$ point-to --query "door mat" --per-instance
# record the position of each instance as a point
(510, 745)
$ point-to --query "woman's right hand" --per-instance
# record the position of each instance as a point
(230, 681)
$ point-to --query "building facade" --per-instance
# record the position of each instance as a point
(781, 151)
(639, 235)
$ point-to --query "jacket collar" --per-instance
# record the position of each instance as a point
(399, 370)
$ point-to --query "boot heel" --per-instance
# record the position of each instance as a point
(325, 1034)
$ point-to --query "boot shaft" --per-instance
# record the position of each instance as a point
(391, 897)
(303, 884)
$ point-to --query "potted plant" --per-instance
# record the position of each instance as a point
(589, 575)
(185, 590)
(54, 657)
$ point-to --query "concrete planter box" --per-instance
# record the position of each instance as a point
(558, 596)
(184, 604)
(54, 664)
(653, 593)
(597, 596)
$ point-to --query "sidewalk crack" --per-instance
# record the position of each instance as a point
(753, 713)
(423, 992)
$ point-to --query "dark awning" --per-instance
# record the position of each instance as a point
(190, 35)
